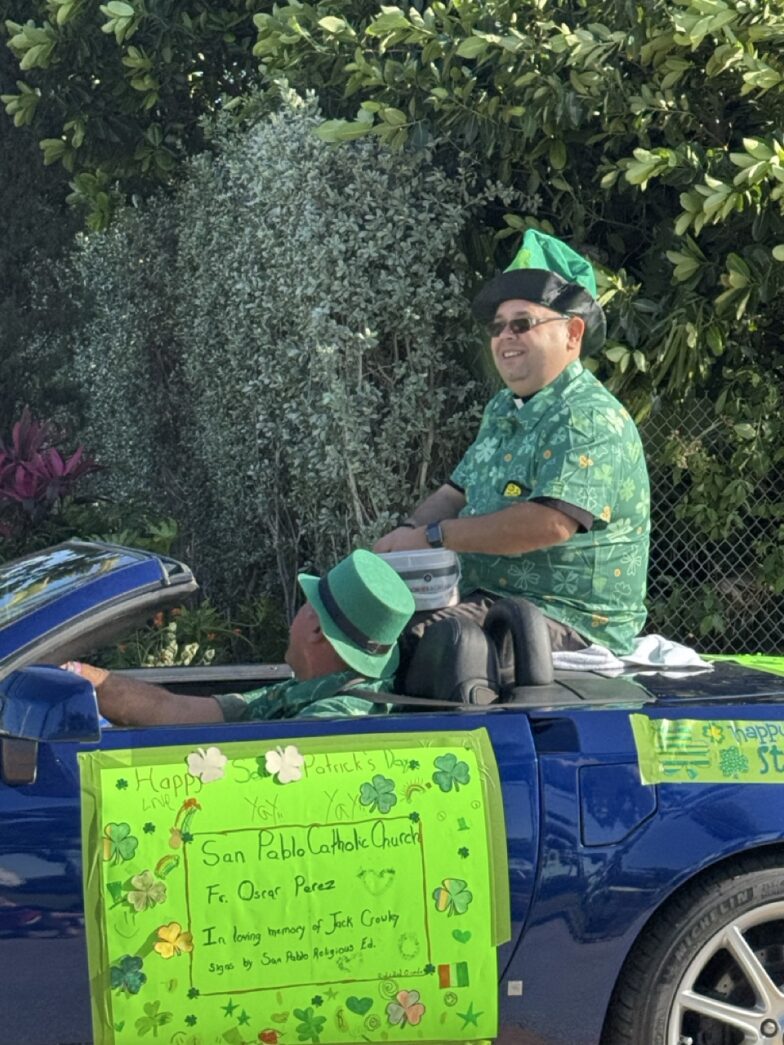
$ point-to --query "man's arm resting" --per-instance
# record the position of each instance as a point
(512, 531)
(128, 702)
(445, 503)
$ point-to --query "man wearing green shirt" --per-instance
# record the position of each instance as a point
(551, 501)
(344, 636)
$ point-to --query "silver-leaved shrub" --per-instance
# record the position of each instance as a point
(276, 353)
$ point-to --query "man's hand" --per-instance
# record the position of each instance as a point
(403, 539)
(129, 702)
(445, 503)
(95, 676)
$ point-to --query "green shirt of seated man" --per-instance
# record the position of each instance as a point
(344, 635)
(325, 697)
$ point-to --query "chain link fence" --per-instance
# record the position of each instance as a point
(708, 594)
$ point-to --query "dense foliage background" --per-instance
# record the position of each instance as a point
(274, 351)
(37, 231)
(651, 137)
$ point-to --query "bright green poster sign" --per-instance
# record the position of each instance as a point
(341, 889)
(709, 751)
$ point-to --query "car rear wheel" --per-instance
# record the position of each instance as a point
(709, 970)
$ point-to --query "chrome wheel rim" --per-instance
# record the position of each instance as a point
(732, 992)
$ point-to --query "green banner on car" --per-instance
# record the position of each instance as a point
(334, 890)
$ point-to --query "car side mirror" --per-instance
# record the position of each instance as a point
(48, 704)
(42, 704)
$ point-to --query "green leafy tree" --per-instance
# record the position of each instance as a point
(36, 230)
(652, 137)
(115, 91)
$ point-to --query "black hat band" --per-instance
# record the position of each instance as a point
(359, 638)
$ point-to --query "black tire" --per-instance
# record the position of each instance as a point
(685, 948)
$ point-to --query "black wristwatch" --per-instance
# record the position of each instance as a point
(434, 535)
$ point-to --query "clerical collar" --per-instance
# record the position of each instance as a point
(558, 383)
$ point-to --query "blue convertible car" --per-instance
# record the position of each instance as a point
(644, 830)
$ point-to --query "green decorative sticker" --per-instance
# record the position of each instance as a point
(322, 889)
(709, 751)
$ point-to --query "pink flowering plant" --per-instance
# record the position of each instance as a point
(35, 476)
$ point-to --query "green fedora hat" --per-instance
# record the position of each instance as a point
(548, 272)
(363, 606)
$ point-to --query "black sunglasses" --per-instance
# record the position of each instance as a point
(519, 324)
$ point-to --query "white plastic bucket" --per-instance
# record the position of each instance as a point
(432, 576)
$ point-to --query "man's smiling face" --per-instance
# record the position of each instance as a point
(529, 361)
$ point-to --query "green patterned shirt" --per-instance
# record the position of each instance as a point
(572, 441)
(323, 697)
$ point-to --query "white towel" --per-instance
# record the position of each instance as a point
(650, 651)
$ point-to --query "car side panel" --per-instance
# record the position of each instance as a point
(592, 901)
(44, 993)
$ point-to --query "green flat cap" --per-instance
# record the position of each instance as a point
(547, 271)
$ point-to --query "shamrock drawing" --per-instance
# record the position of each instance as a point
(713, 733)
(118, 843)
(378, 794)
(127, 975)
(173, 941)
(146, 892)
(284, 763)
(450, 773)
(453, 896)
(207, 765)
(153, 1020)
(406, 1009)
(310, 1025)
(732, 762)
